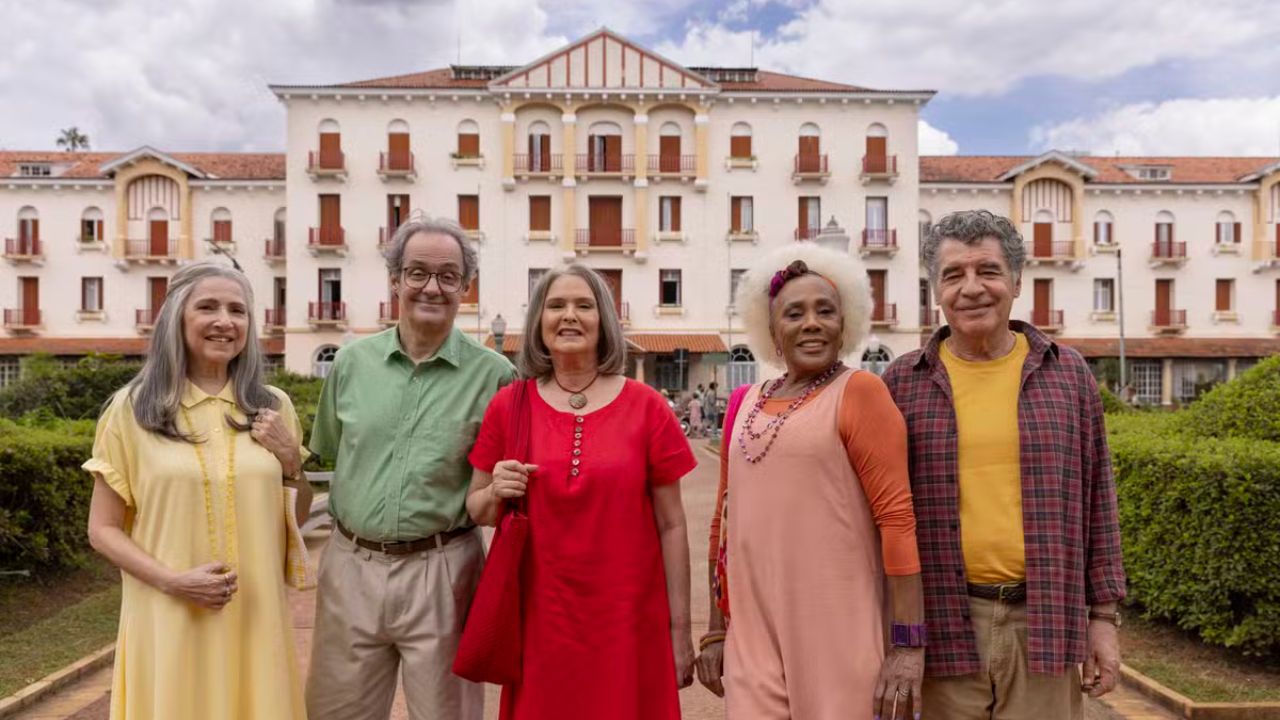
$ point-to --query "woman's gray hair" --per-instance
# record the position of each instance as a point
(156, 391)
(972, 227)
(846, 272)
(611, 350)
(420, 222)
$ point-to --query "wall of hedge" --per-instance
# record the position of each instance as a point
(44, 495)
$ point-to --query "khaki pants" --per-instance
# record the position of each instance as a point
(376, 614)
(1005, 689)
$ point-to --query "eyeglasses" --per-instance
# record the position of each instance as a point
(417, 279)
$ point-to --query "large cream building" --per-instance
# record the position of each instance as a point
(669, 180)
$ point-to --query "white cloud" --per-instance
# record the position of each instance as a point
(934, 141)
(1226, 126)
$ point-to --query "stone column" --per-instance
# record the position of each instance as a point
(568, 199)
(702, 163)
(508, 148)
(1166, 382)
(640, 198)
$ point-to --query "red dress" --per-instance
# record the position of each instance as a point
(597, 635)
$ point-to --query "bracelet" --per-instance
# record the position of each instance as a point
(914, 635)
(710, 639)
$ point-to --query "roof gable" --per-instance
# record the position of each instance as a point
(147, 151)
(1054, 156)
(603, 60)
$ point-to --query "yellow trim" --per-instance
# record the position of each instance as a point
(1260, 201)
(1053, 171)
(143, 168)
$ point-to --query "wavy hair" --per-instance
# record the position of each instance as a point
(611, 350)
(156, 391)
(972, 227)
(845, 271)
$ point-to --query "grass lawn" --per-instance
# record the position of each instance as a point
(47, 623)
(1201, 672)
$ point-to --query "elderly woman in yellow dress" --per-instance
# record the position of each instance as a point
(188, 465)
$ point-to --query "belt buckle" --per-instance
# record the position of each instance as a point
(1000, 593)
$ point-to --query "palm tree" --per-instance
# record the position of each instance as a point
(72, 140)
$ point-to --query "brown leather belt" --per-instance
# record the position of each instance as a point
(405, 547)
(1010, 592)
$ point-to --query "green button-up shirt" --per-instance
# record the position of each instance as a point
(401, 433)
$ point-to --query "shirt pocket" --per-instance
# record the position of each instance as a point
(444, 443)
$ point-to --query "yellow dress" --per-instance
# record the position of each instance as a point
(175, 660)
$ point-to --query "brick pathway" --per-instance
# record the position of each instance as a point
(87, 700)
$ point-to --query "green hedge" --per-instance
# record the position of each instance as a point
(1247, 407)
(75, 392)
(44, 495)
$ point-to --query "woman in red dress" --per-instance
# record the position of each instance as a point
(606, 568)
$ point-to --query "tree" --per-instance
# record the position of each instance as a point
(71, 140)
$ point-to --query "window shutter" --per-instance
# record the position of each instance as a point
(101, 234)
(740, 146)
(1097, 232)
(540, 213)
(675, 214)
(1235, 230)
(1223, 296)
(468, 145)
(735, 214)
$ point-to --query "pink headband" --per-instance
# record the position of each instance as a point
(791, 272)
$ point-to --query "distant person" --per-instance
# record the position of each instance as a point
(710, 409)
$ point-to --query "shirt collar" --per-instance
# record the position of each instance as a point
(1039, 343)
(193, 395)
(449, 352)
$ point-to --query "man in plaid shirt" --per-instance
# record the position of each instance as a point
(1015, 503)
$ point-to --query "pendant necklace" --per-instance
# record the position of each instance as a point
(229, 554)
(577, 398)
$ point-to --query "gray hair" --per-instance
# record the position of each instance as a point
(420, 222)
(156, 391)
(972, 227)
(535, 359)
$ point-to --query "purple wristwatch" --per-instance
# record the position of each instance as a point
(909, 636)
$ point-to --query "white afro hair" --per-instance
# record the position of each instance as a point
(846, 271)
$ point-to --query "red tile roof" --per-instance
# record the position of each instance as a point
(987, 168)
(439, 78)
(1175, 347)
(106, 346)
(86, 165)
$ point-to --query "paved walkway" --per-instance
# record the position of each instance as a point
(86, 700)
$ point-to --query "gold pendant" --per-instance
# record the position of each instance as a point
(577, 401)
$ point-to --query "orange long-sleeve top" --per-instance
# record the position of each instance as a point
(875, 438)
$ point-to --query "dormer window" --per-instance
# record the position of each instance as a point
(1155, 173)
(35, 170)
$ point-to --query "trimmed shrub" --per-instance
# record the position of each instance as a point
(1247, 407)
(75, 392)
(44, 495)
(1111, 403)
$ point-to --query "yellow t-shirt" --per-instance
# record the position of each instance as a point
(985, 395)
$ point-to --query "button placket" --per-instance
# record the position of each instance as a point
(577, 445)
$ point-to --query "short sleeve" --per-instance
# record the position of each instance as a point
(669, 455)
(326, 430)
(491, 442)
(111, 459)
(290, 415)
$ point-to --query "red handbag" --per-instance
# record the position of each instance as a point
(490, 649)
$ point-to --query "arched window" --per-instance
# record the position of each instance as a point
(221, 219)
(397, 126)
(1104, 228)
(539, 147)
(398, 157)
(28, 231)
(740, 141)
(741, 369)
(876, 359)
(330, 156)
(322, 361)
(1228, 230)
(877, 157)
(810, 130)
(468, 139)
(604, 147)
(1164, 233)
(809, 158)
(157, 242)
(91, 222)
(669, 148)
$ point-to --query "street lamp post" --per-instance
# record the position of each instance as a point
(1124, 379)
(499, 329)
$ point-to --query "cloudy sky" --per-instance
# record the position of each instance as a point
(1013, 76)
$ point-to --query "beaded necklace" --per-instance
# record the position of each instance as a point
(775, 425)
(229, 550)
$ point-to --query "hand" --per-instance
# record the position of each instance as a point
(270, 431)
(898, 687)
(711, 668)
(682, 649)
(210, 586)
(1102, 659)
(510, 479)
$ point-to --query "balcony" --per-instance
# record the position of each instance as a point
(1169, 321)
(1168, 253)
(322, 165)
(879, 167)
(22, 320)
(1053, 252)
(273, 250)
(327, 314)
(810, 168)
(389, 312)
(808, 233)
(621, 166)
(542, 166)
(741, 235)
(671, 166)
(145, 319)
(884, 315)
(163, 251)
(592, 240)
(930, 318)
(327, 240)
(879, 242)
(624, 313)
(23, 250)
(1266, 255)
(274, 322)
(393, 166)
(1047, 320)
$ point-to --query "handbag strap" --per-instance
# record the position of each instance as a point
(518, 429)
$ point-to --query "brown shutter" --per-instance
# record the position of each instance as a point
(1164, 293)
(1040, 302)
(540, 213)
(84, 293)
(1235, 230)
(159, 237)
(469, 212)
(1097, 232)
(675, 214)
(330, 219)
(35, 231)
(735, 214)
(809, 146)
(330, 150)
(877, 154)
(468, 145)
(1043, 240)
(1223, 296)
(398, 151)
(669, 153)
(740, 146)
(222, 231)
(613, 153)
(877, 278)
(100, 232)
(802, 221)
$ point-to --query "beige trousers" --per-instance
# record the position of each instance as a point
(1005, 689)
(376, 614)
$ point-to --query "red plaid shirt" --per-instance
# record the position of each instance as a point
(1071, 528)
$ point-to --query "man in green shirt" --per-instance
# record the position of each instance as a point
(399, 412)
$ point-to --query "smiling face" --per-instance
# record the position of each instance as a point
(430, 306)
(570, 317)
(975, 287)
(215, 322)
(806, 321)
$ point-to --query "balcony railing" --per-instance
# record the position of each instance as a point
(1169, 250)
(148, 249)
(22, 318)
(22, 247)
(624, 312)
(807, 233)
(550, 164)
(880, 165)
(672, 164)
(884, 314)
(808, 165)
(385, 234)
(930, 318)
(1052, 249)
(273, 249)
(592, 238)
(591, 164)
(275, 319)
(389, 312)
(326, 312)
(396, 164)
(1045, 318)
(1174, 319)
(880, 239)
(146, 317)
(326, 163)
(321, 237)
